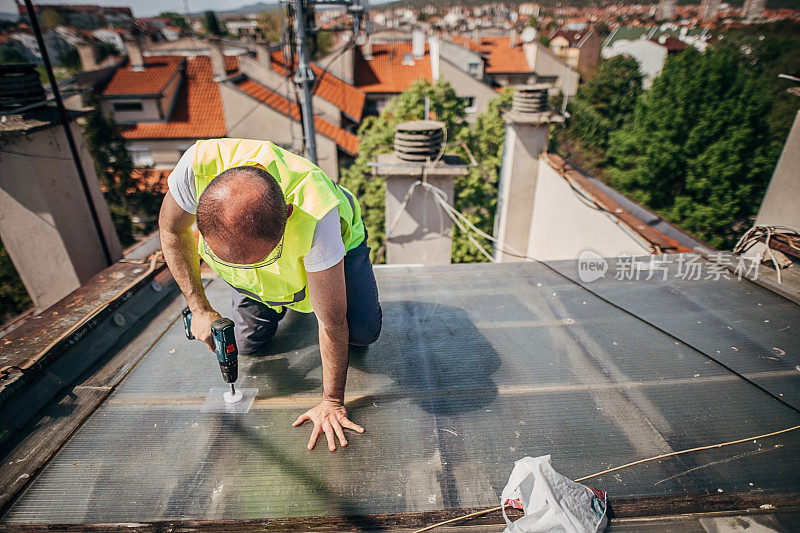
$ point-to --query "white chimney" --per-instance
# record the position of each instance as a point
(531, 49)
(88, 54)
(135, 56)
(366, 50)
(433, 47)
(418, 44)
(262, 53)
(217, 59)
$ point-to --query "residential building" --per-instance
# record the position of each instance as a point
(503, 61)
(164, 103)
(84, 17)
(753, 9)
(665, 10)
(383, 70)
(529, 9)
(649, 53)
(54, 42)
(708, 9)
(580, 49)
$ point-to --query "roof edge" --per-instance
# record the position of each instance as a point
(658, 242)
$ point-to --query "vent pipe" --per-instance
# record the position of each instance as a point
(419, 140)
(135, 55)
(531, 98)
(418, 44)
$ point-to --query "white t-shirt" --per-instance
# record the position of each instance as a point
(327, 246)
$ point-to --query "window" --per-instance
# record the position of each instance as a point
(141, 156)
(127, 106)
(470, 104)
(473, 68)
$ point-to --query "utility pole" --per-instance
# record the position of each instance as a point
(304, 76)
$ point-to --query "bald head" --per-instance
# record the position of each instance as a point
(242, 214)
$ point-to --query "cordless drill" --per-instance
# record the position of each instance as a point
(224, 347)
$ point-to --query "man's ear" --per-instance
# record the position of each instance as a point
(289, 209)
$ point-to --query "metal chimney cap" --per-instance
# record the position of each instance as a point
(419, 126)
(419, 140)
(534, 87)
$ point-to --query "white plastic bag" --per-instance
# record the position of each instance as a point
(551, 502)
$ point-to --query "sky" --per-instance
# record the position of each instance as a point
(145, 8)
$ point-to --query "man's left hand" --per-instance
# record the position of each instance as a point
(329, 417)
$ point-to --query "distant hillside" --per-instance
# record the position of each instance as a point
(419, 4)
(257, 7)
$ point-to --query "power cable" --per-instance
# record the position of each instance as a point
(627, 465)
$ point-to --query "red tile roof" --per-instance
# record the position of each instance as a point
(347, 98)
(500, 56)
(385, 71)
(198, 110)
(158, 71)
(346, 140)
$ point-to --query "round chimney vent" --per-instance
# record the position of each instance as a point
(531, 98)
(418, 140)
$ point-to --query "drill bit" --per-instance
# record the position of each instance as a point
(233, 390)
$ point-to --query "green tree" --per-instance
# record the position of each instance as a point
(600, 108)
(175, 19)
(321, 44)
(768, 50)
(14, 298)
(212, 24)
(51, 19)
(70, 59)
(475, 193)
(11, 55)
(270, 24)
(697, 150)
(106, 49)
(125, 195)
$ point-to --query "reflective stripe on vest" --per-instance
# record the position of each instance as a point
(311, 193)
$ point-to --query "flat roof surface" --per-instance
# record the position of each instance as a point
(477, 366)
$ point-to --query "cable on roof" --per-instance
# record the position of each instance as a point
(460, 220)
(758, 231)
(627, 465)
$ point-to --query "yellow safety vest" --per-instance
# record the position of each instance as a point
(313, 194)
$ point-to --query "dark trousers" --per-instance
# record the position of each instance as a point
(255, 323)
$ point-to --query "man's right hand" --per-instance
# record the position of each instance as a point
(201, 325)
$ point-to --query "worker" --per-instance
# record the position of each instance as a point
(283, 236)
